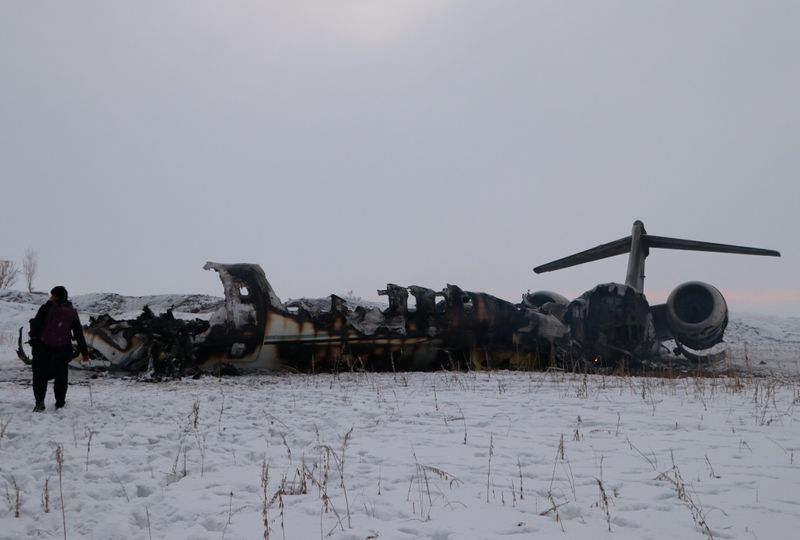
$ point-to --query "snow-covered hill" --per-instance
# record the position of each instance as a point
(112, 303)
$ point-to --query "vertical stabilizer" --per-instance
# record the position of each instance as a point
(639, 252)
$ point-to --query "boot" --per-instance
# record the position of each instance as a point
(39, 406)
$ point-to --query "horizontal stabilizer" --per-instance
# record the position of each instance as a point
(617, 247)
(641, 249)
(694, 245)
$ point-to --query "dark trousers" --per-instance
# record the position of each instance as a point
(50, 363)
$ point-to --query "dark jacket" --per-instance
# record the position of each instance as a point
(38, 322)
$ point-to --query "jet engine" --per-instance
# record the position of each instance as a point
(539, 298)
(697, 314)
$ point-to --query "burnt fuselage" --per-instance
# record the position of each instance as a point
(253, 329)
(446, 329)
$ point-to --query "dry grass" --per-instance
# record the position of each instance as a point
(3, 428)
(673, 477)
(60, 468)
(15, 501)
(424, 479)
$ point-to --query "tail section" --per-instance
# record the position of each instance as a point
(638, 245)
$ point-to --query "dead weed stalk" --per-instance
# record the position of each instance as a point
(60, 468)
(92, 433)
(46, 496)
(673, 477)
(602, 502)
(424, 476)
(14, 503)
(3, 428)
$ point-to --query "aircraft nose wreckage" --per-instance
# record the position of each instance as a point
(451, 328)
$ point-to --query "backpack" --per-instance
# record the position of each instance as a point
(58, 325)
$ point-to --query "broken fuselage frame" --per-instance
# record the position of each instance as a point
(253, 329)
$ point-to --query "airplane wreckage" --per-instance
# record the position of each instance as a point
(608, 326)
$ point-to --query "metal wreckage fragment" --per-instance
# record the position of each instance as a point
(159, 344)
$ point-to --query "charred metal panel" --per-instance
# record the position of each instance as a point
(398, 298)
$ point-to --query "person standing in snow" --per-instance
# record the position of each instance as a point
(52, 330)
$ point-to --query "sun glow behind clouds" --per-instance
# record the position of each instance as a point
(375, 22)
(785, 302)
(765, 297)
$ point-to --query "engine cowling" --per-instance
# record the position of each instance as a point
(697, 314)
(537, 299)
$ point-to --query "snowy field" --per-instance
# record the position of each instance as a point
(402, 456)
(417, 455)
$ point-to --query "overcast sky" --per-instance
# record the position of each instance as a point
(344, 145)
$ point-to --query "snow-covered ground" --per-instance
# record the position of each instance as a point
(419, 455)
(414, 455)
